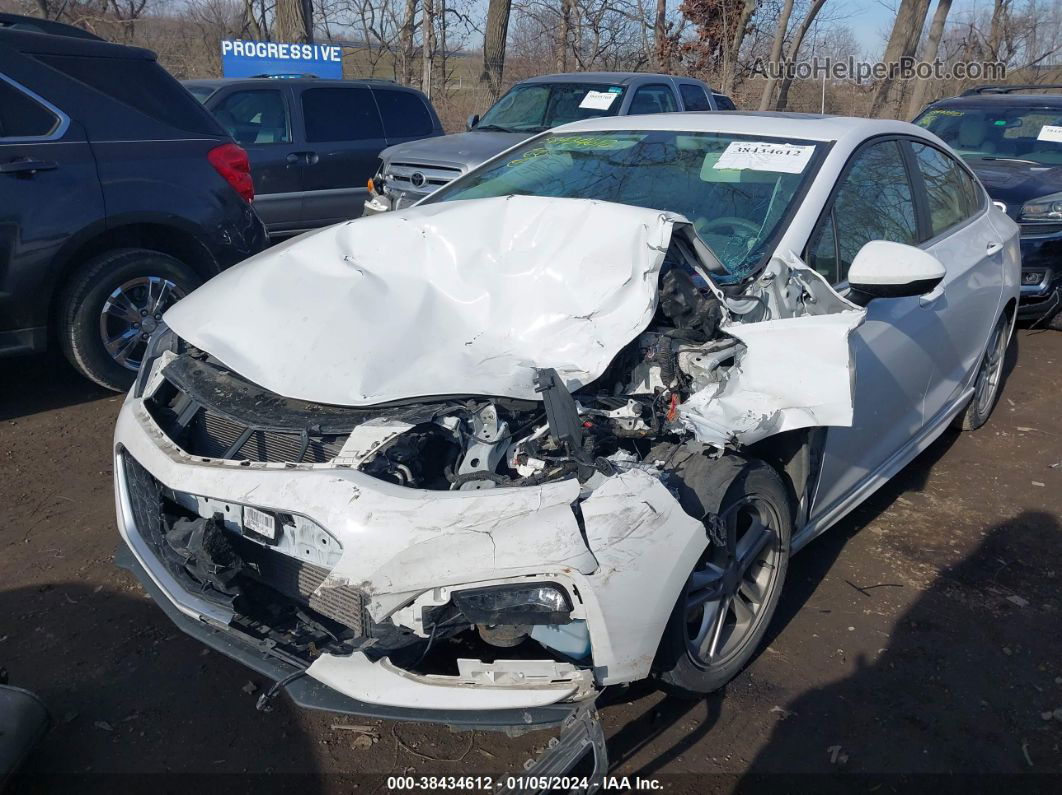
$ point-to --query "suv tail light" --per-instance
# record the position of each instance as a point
(231, 162)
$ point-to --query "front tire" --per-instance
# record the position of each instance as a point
(989, 380)
(728, 601)
(111, 306)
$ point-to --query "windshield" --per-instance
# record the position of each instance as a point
(536, 107)
(736, 190)
(1011, 133)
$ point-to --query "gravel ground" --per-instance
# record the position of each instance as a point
(920, 636)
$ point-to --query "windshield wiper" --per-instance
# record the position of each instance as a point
(492, 128)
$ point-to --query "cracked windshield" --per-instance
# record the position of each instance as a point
(734, 189)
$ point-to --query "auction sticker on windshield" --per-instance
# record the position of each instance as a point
(598, 100)
(1050, 132)
(260, 522)
(765, 156)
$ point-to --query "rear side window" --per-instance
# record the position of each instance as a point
(340, 114)
(951, 193)
(255, 117)
(874, 201)
(142, 85)
(694, 97)
(22, 116)
(723, 102)
(653, 99)
(404, 114)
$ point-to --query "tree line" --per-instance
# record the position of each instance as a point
(465, 53)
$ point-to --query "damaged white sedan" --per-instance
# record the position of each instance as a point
(561, 425)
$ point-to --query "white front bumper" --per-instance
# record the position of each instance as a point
(402, 544)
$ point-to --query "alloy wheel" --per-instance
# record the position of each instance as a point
(733, 581)
(131, 313)
(991, 372)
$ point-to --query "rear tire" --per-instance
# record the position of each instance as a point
(110, 307)
(728, 601)
(989, 381)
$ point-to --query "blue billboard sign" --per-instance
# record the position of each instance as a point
(250, 58)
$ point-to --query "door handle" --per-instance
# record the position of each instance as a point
(29, 167)
(292, 158)
(994, 247)
(311, 158)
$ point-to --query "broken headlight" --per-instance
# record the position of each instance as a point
(163, 339)
(535, 603)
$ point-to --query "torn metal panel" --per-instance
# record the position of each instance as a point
(646, 545)
(458, 298)
(504, 684)
(793, 373)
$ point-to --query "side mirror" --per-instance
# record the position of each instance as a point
(883, 269)
(473, 120)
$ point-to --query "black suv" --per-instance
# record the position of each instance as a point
(1013, 142)
(314, 143)
(119, 194)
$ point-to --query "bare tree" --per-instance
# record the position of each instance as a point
(776, 52)
(903, 41)
(794, 51)
(427, 49)
(406, 44)
(936, 32)
(748, 9)
(291, 22)
(494, 46)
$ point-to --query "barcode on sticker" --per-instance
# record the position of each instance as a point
(260, 522)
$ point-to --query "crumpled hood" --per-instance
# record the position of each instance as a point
(465, 149)
(466, 297)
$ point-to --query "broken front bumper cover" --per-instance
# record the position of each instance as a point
(310, 693)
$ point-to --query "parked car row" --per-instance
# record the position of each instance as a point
(409, 172)
(1012, 139)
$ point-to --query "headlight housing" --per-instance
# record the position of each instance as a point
(1046, 208)
(530, 604)
(163, 339)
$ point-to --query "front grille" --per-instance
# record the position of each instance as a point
(210, 412)
(213, 435)
(288, 576)
(299, 581)
(400, 175)
(145, 499)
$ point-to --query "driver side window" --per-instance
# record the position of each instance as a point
(873, 201)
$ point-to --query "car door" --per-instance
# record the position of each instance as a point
(49, 190)
(892, 350)
(344, 136)
(259, 120)
(966, 304)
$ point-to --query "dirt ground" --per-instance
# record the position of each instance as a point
(923, 635)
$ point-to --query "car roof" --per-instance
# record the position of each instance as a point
(219, 82)
(23, 39)
(1001, 101)
(807, 126)
(616, 78)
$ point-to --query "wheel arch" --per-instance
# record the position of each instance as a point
(155, 235)
(796, 456)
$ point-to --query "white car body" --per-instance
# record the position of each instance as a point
(472, 298)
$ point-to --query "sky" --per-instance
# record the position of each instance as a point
(871, 20)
